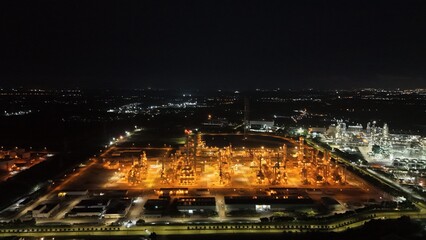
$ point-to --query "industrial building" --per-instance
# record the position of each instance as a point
(196, 204)
(118, 208)
(331, 204)
(73, 192)
(86, 212)
(6, 164)
(110, 193)
(155, 207)
(172, 191)
(45, 210)
(89, 208)
(267, 203)
(261, 126)
(93, 203)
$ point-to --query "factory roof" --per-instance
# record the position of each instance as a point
(156, 204)
(49, 207)
(263, 200)
(196, 201)
(93, 202)
(87, 210)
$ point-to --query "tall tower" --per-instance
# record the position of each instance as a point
(368, 129)
(385, 131)
(284, 155)
(195, 142)
(284, 174)
(301, 152)
(246, 116)
(187, 173)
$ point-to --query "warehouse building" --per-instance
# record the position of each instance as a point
(267, 203)
(196, 204)
(45, 210)
(118, 208)
(86, 212)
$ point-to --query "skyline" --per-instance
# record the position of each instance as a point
(204, 90)
(213, 44)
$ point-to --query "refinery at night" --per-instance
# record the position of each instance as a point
(306, 170)
(236, 119)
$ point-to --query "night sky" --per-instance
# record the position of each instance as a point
(213, 44)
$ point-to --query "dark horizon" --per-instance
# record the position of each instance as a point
(213, 44)
(191, 90)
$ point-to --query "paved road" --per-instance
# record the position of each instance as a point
(208, 228)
